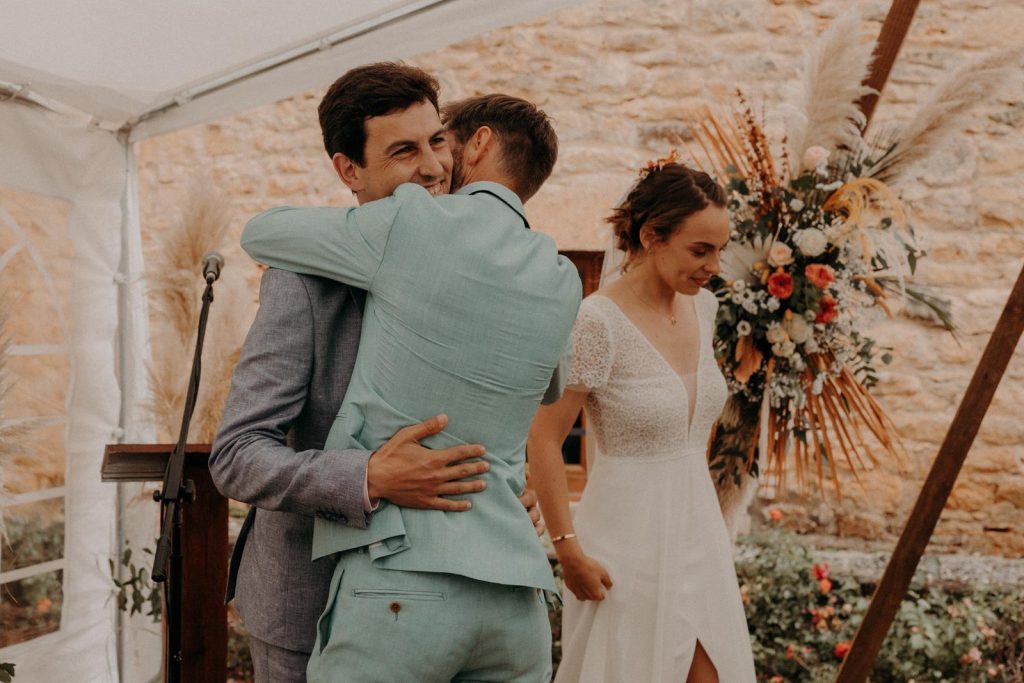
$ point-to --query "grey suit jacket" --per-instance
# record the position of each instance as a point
(288, 385)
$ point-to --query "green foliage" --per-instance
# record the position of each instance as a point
(31, 540)
(802, 620)
(138, 588)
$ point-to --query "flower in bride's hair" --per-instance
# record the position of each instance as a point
(780, 285)
(779, 254)
(658, 164)
(743, 328)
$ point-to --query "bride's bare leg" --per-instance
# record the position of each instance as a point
(702, 669)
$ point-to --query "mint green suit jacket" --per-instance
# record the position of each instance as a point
(468, 312)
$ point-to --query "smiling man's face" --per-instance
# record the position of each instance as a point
(407, 146)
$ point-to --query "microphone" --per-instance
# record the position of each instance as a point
(212, 263)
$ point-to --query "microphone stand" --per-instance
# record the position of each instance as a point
(172, 496)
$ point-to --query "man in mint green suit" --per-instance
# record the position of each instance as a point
(469, 309)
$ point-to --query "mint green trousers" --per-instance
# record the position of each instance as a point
(387, 626)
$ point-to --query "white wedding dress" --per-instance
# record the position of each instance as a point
(649, 512)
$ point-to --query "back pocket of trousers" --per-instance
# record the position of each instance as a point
(384, 594)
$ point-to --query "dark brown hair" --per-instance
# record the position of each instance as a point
(368, 91)
(529, 145)
(662, 200)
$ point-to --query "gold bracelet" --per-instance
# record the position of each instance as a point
(563, 537)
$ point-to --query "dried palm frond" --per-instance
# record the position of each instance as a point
(831, 426)
(175, 298)
(825, 111)
(9, 432)
(944, 112)
(200, 228)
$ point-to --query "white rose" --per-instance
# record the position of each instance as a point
(811, 242)
(796, 204)
(739, 285)
(815, 155)
(784, 349)
(780, 254)
(743, 328)
(799, 329)
(772, 304)
(776, 334)
(811, 346)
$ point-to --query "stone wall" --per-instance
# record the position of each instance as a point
(616, 76)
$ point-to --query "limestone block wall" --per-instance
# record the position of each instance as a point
(616, 76)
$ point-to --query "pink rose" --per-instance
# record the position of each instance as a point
(828, 310)
(780, 285)
(780, 254)
(820, 275)
(815, 155)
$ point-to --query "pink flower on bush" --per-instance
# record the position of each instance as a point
(780, 285)
(842, 649)
(820, 275)
(820, 571)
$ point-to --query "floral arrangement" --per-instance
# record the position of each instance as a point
(813, 257)
(821, 246)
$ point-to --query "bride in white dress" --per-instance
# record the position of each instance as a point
(652, 593)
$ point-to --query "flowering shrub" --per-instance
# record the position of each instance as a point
(803, 618)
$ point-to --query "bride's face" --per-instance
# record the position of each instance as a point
(690, 256)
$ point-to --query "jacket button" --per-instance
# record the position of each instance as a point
(396, 607)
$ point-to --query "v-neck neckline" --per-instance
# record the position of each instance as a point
(695, 399)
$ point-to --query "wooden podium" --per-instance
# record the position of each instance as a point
(204, 635)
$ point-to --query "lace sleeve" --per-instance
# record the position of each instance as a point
(592, 350)
(707, 306)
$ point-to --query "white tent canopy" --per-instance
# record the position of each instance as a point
(79, 83)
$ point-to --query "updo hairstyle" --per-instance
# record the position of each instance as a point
(662, 200)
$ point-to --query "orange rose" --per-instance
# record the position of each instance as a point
(842, 649)
(828, 310)
(780, 285)
(775, 514)
(825, 585)
(820, 275)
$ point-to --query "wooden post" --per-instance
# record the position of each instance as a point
(204, 640)
(919, 528)
(890, 40)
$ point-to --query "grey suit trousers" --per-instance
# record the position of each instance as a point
(287, 387)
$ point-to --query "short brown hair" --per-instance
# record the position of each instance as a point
(529, 144)
(367, 91)
(662, 200)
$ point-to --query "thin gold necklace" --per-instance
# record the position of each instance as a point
(671, 317)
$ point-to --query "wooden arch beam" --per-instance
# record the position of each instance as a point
(920, 526)
(890, 40)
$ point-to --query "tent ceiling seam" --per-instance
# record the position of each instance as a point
(331, 40)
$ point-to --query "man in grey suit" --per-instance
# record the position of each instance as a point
(381, 128)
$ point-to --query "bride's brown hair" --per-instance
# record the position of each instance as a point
(662, 200)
